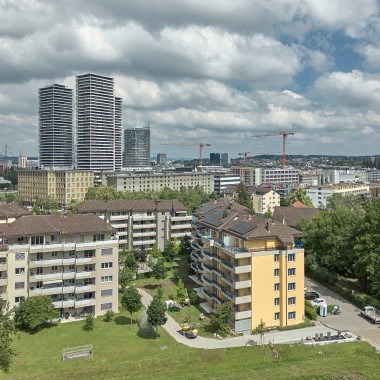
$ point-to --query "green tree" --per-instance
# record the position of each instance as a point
(300, 196)
(268, 213)
(34, 312)
(244, 198)
(130, 262)
(185, 246)
(354, 203)
(157, 312)
(126, 276)
(159, 271)
(131, 300)
(156, 253)
(170, 251)
(219, 320)
(71, 208)
(261, 330)
(7, 330)
(88, 323)
(106, 193)
(181, 292)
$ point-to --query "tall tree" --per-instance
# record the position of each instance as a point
(106, 193)
(34, 312)
(244, 198)
(182, 294)
(131, 300)
(159, 271)
(219, 320)
(185, 246)
(126, 276)
(130, 262)
(157, 312)
(170, 251)
(300, 196)
(7, 330)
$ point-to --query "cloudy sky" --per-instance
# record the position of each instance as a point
(212, 71)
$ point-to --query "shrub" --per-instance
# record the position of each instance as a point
(330, 309)
(310, 311)
(88, 323)
(194, 299)
(109, 315)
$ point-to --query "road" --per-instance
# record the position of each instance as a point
(276, 337)
(349, 319)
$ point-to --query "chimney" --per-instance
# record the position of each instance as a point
(267, 227)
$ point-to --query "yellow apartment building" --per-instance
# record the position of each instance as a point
(248, 260)
(62, 185)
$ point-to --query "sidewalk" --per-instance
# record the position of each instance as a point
(278, 337)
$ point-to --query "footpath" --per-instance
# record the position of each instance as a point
(276, 337)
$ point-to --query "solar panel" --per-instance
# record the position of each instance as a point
(243, 227)
(215, 219)
(207, 208)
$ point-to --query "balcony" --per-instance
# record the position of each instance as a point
(119, 225)
(3, 266)
(86, 260)
(118, 217)
(179, 234)
(84, 274)
(51, 290)
(208, 240)
(180, 226)
(183, 217)
(141, 234)
(242, 284)
(243, 299)
(85, 302)
(64, 303)
(242, 269)
(96, 244)
(51, 262)
(85, 288)
(3, 281)
(144, 217)
(233, 251)
(243, 314)
(144, 242)
(228, 294)
(144, 226)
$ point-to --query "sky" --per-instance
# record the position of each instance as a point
(214, 71)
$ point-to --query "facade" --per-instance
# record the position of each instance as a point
(158, 181)
(137, 147)
(251, 261)
(98, 124)
(224, 159)
(22, 162)
(62, 185)
(72, 259)
(263, 199)
(9, 212)
(222, 181)
(249, 175)
(142, 223)
(161, 158)
(214, 158)
(55, 127)
(320, 194)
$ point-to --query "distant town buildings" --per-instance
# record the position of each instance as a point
(137, 146)
(224, 180)
(22, 162)
(56, 136)
(161, 158)
(218, 158)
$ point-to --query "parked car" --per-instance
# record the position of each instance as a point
(310, 296)
(318, 301)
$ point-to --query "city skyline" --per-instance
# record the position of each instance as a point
(212, 73)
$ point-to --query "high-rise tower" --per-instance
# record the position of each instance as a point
(98, 124)
(55, 126)
(137, 146)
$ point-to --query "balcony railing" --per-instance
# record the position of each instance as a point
(243, 314)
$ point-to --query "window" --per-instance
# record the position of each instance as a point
(276, 301)
(276, 272)
(106, 292)
(291, 257)
(106, 279)
(54, 254)
(54, 268)
(72, 254)
(292, 286)
(98, 237)
(276, 316)
(20, 256)
(291, 301)
(88, 268)
(71, 268)
(292, 315)
(106, 251)
(19, 285)
(53, 237)
(19, 299)
(276, 257)
(277, 286)
(106, 265)
(19, 270)
(106, 306)
(89, 253)
(36, 240)
(291, 271)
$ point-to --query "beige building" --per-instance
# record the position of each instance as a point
(263, 199)
(73, 259)
(9, 212)
(61, 185)
(251, 261)
(158, 181)
(142, 223)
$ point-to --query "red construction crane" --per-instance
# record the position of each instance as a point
(284, 135)
(245, 154)
(201, 145)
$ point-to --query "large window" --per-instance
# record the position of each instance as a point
(19, 285)
(107, 265)
(106, 279)
(99, 237)
(292, 286)
(291, 271)
(292, 315)
(291, 257)
(19, 270)
(36, 240)
(106, 292)
(291, 301)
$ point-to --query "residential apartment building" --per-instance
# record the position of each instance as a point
(158, 181)
(142, 223)
(62, 185)
(249, 175)
(9, 212)
(161, 159)
(137, 146)
(251, 261)
(73, 259)
(319, 194)
(99, 119)
(55, 121)
(263, 199)
(224, 180)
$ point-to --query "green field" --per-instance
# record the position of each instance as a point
(120, 353)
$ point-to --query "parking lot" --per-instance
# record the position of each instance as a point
(349, 319)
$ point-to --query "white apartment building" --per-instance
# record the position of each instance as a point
(158, 181)
(142, 223)
(320, 194)
(73, 259)
(222, 181)
(252, 176)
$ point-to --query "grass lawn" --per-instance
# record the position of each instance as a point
(119, 353)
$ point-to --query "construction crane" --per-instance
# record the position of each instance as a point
(284, 136)
(245, 154)
(201, 145)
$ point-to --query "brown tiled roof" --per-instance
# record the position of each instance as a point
(73, 224)
(291, 216)
(220, 204)
(12, 210)
(118, 205)
(298, 204)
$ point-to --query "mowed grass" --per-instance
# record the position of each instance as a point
(119, 353)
